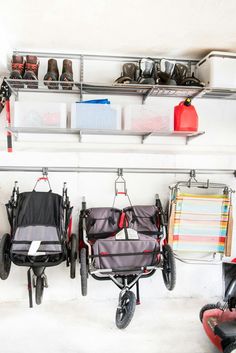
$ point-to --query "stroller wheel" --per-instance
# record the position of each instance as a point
(73, 255)
(169, 269)
(231, 348)
(125, 312)
(83, 271)
(5, 261)
(39, 290)
(205, 308)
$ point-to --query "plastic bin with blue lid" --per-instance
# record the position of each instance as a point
(96, 114)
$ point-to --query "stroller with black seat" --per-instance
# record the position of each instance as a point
(40, 236)
(124, 246)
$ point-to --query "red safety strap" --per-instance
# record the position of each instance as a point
(70, 227)
(8, 121)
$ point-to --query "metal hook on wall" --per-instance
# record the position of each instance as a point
(45, 171)
(120, 180)
(192, 175)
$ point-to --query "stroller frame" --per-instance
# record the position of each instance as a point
(125, 282)
(67, 241)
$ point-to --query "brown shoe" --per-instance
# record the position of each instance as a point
(17, 70)
(17, 66)
(67, 74)
(52, 74)
(31, 70)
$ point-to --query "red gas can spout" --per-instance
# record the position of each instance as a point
(188, 102)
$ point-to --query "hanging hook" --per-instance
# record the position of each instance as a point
(192, 174)
(44, 178)
(120, 180)
(45, 171)
(120, 172)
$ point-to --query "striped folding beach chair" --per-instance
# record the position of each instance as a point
(201, 222)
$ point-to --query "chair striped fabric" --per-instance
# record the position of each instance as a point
(201, 223)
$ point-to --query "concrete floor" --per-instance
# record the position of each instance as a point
(86, 326)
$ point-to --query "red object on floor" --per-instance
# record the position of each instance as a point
(213, 317)
(185, 117)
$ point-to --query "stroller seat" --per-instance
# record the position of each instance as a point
(226, 329)
(47, 235)
(123, 254)
(38, 225)
(143, 219)
(102, 222)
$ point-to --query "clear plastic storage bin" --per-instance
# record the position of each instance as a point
(40, 114)
(147, 118)
(95, 116)
(218, 70)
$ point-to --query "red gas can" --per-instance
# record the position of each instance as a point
(185, 117)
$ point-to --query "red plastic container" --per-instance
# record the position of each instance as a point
(185, 117)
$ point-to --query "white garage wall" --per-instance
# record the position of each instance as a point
(216, 149)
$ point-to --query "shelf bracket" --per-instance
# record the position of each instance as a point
(80, 136)
(189, 138)
(81, 76)
(147, 94)
(145, 137)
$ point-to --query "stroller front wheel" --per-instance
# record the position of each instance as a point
(125, 312)
(5, 261)
(83, 271)
(39, 290)
(169, 269)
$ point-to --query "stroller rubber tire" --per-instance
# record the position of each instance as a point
(205, 308)
(83, 272)
(231, 348)
(169, 267)
(5, 261)
(39, 290)
(73, 255)
(125, 314)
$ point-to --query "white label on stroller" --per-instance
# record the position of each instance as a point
(34, 248)
(132, 234)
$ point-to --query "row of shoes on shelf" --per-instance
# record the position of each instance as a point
(146, 71)
(27, 69)
(162, 72)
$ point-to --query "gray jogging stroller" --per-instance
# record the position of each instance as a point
(40, 236)
(124, 246)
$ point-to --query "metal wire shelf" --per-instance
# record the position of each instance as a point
(82, 132)
(145, 91)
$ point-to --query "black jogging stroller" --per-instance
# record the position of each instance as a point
(124, 246)
(40, 236)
